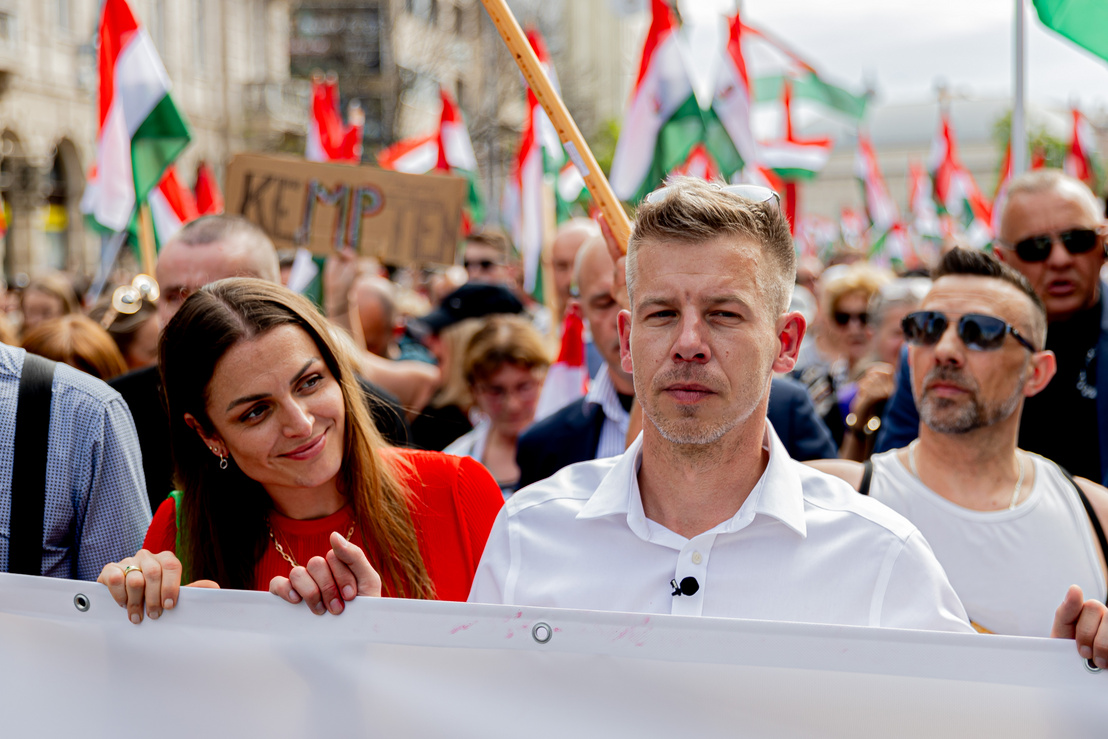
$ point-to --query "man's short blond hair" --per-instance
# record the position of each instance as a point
(694, 211)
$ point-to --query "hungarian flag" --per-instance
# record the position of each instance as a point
(728, 134)
(172, 205)
(1084, 22)
(921, 204)
(570, 191)
(540, 152)
(880, 206)
(699, 164)
(209, 200)
(568, 378)
(771, 64)
(663, 119)
(1080, 160)
(329, 139)
(955, 190)
(140, 132)
(448, 149)
(792, 158)
(1001, 192)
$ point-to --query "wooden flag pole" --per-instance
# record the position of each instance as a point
(147, 251)
(574, 143)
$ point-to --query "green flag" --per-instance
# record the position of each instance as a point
(1084, 22)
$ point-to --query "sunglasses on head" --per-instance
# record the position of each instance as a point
(482, 264)
(843, 318)
(754, 193)
(1037, 248)
(977, 331)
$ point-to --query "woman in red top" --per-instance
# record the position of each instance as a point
(284, 482)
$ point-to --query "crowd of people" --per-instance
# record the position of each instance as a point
(759, 438)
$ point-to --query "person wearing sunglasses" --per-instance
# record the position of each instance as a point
(705, 514)
(1052, 232)
(1016, 535)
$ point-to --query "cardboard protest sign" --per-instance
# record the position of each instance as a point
(401, 219)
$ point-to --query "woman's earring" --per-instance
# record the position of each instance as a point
(222, 459)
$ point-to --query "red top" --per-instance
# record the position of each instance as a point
(454, 503)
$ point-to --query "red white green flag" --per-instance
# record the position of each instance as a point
(172, 205)
(699, 164)
(728, 133)
(540, 152)
(1081, 154)
(663, 120)
(568, 378)
(329, 139)
(789, 157)
(888, 234)
(140, 132)
(921, 205)
(955, 190)
(448, 149)
(209, 200)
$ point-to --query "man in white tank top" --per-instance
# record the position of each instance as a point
(1009, 527)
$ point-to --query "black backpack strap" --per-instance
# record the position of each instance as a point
(32, 439)
(1093, 518)
(867, 477)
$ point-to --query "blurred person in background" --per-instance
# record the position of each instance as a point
(136, 334)
(78, 341)
(830, 362)
(490, 258)
(446, 332)
(375, 298)
(48, 296)
(887, 309)
(568, 241)
(504, 366)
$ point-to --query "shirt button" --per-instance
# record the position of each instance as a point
(696, 558)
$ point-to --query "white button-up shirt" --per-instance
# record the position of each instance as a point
(804, 547)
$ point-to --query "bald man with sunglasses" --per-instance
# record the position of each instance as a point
(1016, 535)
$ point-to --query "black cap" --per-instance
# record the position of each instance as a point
(472, 300)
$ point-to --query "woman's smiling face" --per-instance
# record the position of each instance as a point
(278, 412)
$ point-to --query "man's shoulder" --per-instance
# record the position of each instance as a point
(566, 421)
(831, 495)
(142, 382)
(572, 485)
(73, 388)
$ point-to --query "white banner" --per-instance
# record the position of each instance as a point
(247, 664)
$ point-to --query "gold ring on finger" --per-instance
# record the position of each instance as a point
(131, 568)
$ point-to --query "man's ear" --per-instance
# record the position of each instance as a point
(790, 332)
(1043, 366)
(212, 441)
(623, 323)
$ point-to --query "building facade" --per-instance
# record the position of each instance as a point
(227, 59)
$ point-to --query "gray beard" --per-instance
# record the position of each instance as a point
(967, 417)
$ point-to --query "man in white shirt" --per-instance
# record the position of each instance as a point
(1012, 530)
(706, 514)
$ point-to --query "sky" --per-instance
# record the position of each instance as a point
(905, 47)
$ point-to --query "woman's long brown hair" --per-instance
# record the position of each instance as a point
(223, 518)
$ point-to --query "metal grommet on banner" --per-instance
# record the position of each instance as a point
(1091, 666)
(541, 632)
(82, 602)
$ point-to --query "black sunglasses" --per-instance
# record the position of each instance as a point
(1037, 248)
(842, 318)
(483, 264)
(977, 331)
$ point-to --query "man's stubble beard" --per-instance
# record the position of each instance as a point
(972, 414)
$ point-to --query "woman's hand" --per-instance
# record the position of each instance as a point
(149, 579)
(876, 384)
(325, 583)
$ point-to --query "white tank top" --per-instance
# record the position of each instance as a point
(1010, 568)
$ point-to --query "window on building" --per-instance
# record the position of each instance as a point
(459, 20)
(7, 30)
(433, 13)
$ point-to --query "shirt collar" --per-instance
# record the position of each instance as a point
(778, 493)
(604, 394)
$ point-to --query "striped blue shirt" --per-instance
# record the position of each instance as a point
(613, 433)
(96, 505)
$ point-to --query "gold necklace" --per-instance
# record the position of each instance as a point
(281, 550)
